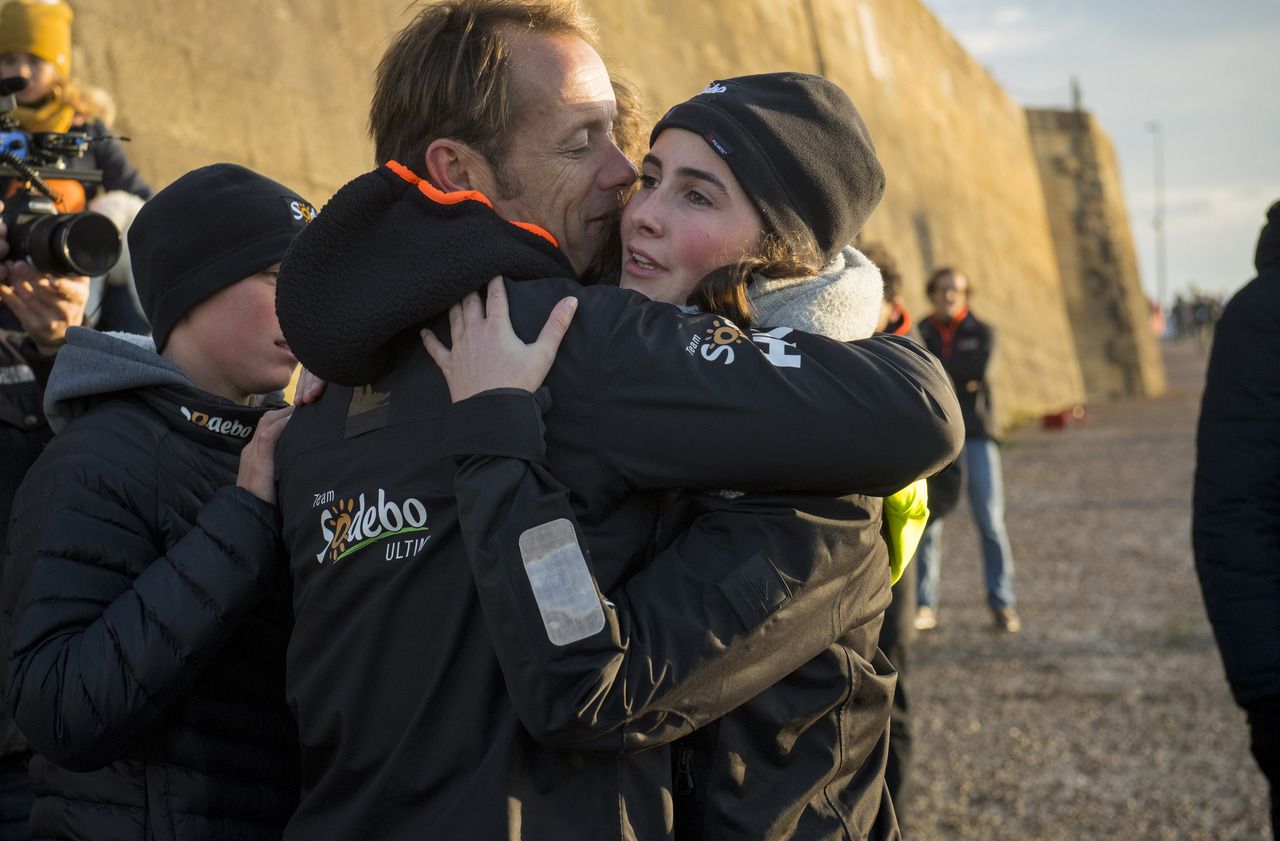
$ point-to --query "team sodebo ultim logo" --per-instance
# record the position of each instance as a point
(350, 525)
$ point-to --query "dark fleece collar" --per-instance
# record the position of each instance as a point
(388, 253)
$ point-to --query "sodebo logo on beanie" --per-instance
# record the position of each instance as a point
(300, 211)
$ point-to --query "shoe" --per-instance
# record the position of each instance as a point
(926, 619)
(1007, 619)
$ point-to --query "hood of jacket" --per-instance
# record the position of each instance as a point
(386, 254)
(1268, 254)
(842, 302)
(93, 365)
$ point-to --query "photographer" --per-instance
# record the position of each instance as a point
(35, 45)
(35, 312)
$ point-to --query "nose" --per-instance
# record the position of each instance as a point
(618, 172)
(641, 214)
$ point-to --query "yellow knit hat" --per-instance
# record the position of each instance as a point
(39, 27)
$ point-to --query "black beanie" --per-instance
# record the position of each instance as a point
(211, 228)
(798, 147)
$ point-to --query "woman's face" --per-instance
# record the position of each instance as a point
(688, 218)
(41, 75)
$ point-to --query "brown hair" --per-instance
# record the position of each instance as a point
(939, 274)
(725, 291)
(633, 120)
(448, 74)
(878, 254)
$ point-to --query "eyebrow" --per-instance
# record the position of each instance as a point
(689, 172)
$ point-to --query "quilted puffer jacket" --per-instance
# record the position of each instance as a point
(144, 617)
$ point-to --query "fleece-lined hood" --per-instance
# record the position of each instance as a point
(386, 254)
(93, 365)
(842, 302)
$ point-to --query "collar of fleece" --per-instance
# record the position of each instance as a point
(388, 253)
(842, 302)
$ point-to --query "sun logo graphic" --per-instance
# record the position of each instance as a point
(349, 526)
(722, 335)
(301, 211)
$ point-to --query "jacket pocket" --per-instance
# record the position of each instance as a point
(755, 590)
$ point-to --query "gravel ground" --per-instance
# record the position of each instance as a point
(1108, 716)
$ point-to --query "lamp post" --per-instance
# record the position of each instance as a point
(1157, 220)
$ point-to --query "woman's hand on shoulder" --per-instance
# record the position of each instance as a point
(486, 352)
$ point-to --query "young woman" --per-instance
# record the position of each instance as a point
(145, 606)
(733, 216)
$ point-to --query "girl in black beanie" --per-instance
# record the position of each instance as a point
(757, 182)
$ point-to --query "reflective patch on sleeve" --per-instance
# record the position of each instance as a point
(561, 582)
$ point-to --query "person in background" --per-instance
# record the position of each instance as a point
(965, 345)
(1235, 526)
(35, 312)
(899, 628)
(894, 317)
(35, 44)
(145, 607)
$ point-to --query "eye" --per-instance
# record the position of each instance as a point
(698, 198)
(648, 182)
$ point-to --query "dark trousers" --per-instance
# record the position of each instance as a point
(895, 639)
(1264, 742)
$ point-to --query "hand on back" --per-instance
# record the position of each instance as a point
(486, 352)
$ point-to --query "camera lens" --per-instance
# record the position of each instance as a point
(73, 243)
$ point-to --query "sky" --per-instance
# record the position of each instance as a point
(1206, 71)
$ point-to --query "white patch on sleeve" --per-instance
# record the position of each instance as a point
(562, 583)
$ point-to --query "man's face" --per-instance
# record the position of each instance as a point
(565, 174)
(950, 295)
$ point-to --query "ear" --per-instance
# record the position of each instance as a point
(453, 165)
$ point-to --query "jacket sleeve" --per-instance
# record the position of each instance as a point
(690, 401)
(1236, 503)
(740, 600)
(118, 173)
(97, 657)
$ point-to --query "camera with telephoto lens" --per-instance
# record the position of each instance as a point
(54, 241)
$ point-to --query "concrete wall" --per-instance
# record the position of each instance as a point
(283, 86)
(1119, 357)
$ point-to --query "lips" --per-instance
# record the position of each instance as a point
(642, 261)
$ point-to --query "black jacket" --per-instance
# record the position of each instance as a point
(409, 727)
(757, 625)
(1236, 508)
(965, 347)
(23, 435)
(145, 650)
(106, 154)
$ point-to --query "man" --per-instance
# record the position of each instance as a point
(1236, 510)
(965, 344)
(407, 728)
